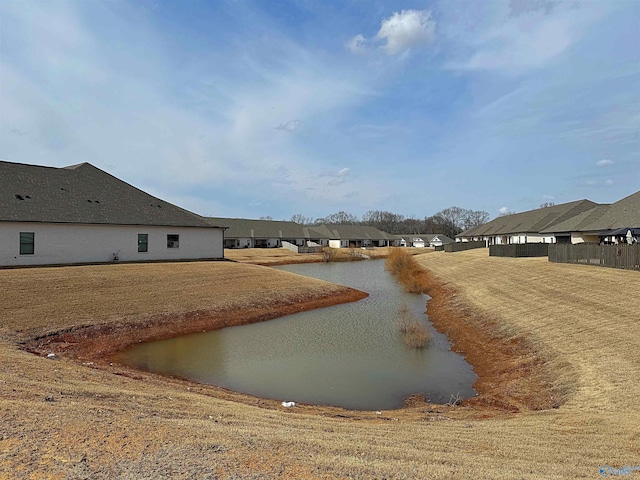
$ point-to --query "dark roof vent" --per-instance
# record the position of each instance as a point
(89, 201)
(27, 196)
(97, 201)
(63, 189)
(19, 197)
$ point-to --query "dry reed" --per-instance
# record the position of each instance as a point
(415, 332)
(405, 268)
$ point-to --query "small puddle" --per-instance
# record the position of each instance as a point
(349, 355)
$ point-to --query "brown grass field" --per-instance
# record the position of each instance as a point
(567, 334)
(282, 256)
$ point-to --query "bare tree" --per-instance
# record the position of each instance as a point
(339, 218)
(266, 218)
(382, 220)
(547, 204)
(301, 219)
(474, 218)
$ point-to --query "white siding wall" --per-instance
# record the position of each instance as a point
(577, 237)
(72, 243)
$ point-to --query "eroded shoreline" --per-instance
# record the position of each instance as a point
(512, 376)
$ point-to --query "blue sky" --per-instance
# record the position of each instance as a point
(270, 108)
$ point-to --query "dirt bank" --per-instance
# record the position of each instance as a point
(511, 374)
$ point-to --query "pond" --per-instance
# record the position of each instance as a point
(349, 355)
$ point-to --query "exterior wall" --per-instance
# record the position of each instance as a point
(76, 243)
(299, 242)
(540, 238)
(335, 243)
(577, 237)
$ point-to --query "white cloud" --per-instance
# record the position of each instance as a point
(357, 44)
(511, 38)
(503, 210)
(407, 29)
(604, 162)
(289, 126)
(608, 182)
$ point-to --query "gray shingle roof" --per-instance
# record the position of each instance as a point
(351, 232)
(82, 194)
(249, 228)
(624, 213)
(532, 221)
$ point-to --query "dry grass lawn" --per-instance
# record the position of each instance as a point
(270, 256)
(282, 256)
(64, 419)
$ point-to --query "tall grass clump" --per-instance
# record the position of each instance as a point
(405, 268)
(342, 255)
(415, 332)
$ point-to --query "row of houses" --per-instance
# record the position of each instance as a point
(248, 233)
(81, 214)
(576, 222)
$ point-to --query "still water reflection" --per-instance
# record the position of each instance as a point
(348, 355)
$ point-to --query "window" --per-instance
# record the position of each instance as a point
(143, 242)
(173, 241)
(27, 243)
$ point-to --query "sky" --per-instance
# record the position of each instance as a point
(272, 108)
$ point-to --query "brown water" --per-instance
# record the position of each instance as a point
(348, 355)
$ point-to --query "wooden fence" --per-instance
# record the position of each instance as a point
(520, 250)
(613, 256)
(460, 246)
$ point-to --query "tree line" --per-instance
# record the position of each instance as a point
(450, 221)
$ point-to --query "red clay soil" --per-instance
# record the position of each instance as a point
(512, 377)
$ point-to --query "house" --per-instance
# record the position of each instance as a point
(248, 233)
(437, 239)
(81, 214)
(600, 224)
(354, 236)
(533, 226)
(421, 240)
(411, 240)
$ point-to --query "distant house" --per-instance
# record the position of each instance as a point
(248, 233)
(533, 226)
(343, 236)
(437, 239)
(602, 223)
(411, 240)
(423, 240)
(81, 214)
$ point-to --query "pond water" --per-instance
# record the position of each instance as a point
(350, 355)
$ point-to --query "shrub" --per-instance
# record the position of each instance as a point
(415, 332)
(405, 268)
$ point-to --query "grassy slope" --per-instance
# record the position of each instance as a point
(104, 425)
